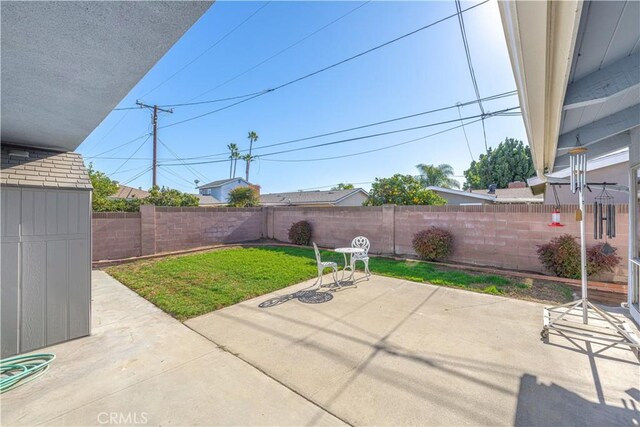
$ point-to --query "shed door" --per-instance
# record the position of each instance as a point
(46, 267)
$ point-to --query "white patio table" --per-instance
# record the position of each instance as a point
(347, 265)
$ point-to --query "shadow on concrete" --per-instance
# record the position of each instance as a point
(307, 297)
(551, 405)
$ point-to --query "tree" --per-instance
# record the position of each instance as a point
(510, 161)
(170, 197)
(402, 190)
(437, 176)
(234, 155)
(248, 158)
(342, 186)
(243, 197)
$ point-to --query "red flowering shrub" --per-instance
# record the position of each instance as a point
(561, 256)
(300, 233)
(433, 244)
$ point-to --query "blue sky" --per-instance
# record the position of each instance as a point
(425, 71)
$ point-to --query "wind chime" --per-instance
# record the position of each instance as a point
(604, 219)
(604, 215)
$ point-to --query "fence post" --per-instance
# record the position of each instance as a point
(147, 229)
(389, 229)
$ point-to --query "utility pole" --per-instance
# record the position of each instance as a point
(155, 109)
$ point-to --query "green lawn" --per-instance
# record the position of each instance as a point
(191, 285)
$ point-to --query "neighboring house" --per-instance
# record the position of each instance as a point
(128, 193)
(613, 168)
(220, 189)
(65, 66)
(517, 192)
(461, 197)
(352, 197)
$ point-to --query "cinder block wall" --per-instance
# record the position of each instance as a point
(115, 235)
(184, 228)
(504, 236)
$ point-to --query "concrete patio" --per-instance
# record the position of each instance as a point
(142, 367)
(392, 352)
(384, 352)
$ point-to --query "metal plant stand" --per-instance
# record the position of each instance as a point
(557, 316)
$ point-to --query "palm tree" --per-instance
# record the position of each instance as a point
(248, 158)
(437, 176)
(234, 155)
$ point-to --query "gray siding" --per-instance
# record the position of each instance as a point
(46, 269)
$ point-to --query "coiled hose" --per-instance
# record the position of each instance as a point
(18, 370)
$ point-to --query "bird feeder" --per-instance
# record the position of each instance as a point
(555, 213)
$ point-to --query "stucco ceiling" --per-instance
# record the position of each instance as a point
(66, 65)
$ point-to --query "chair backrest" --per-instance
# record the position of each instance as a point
(361, 242)
(315, 249)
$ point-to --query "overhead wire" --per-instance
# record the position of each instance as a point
(217, 42)
(277, 53)
(321, 70)
(465, 134)
(325, 134)
(193, 170)
(133, 178)
(372, 150)
(129, 158)
(348, 139)
(472, 72)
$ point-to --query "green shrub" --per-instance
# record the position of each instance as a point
(243, 197)
(433, 244)
(561, 256)
(300, 233)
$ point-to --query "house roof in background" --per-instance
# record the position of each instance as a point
(473, 195)
(42, 168)
(66, 65)
(221, 182)
(208, 200)
(309, 197)
(126, 192)
(513, 195)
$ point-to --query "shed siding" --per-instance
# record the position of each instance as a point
(45, 267)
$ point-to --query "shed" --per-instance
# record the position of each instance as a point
(46, 248)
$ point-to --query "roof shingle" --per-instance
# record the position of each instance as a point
(43, 168)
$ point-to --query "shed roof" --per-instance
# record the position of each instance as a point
(42, 168)
(205, 200)
(308, 197)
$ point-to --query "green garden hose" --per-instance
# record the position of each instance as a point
(18, 370)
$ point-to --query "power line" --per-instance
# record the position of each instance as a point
(465, 134)
(489, 98)
(129, 158)
(208, 49)
(373, 150)
(467, 52)
(192, 169)
(314, 73)
(133, 178)
(349, 139)
(280, 52)
(120, 146)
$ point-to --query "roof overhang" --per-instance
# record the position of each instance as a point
(577, 68)
(66, 65)
(540, 37)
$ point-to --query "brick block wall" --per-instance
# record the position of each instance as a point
(504, 236)
(332, 226)
(115, 235)
(185, 228)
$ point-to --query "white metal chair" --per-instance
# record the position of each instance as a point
(362, 243)
(322, 265)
